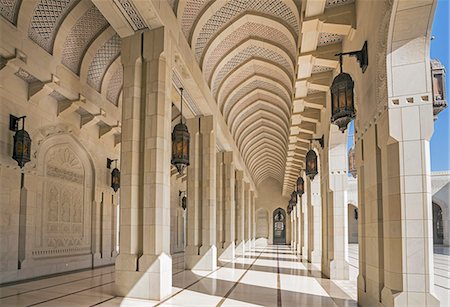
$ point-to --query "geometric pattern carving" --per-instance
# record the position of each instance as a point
(313, 91)
(333, 3)
(9, 10)
(47, 17)
(64, 202)
(318, 69)
(246, 54)
(191, 12)
(81, 36)
(26, 76)
(101, 61)
(131, 14)
(114, 86)
(253, 30)
(226, 13)
(250, 87)
(250, 71)
(329, 38)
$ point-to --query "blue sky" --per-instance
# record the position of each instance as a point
(440, 141)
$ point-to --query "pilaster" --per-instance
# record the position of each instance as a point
(228, 250)
(240, 214)
(144, 265)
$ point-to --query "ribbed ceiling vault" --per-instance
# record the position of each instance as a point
(247, 51)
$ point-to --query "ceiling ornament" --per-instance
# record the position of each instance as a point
(81, 36)
(101, 61)
(47, 18)
(9, 9)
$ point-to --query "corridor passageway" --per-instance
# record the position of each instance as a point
(270, 276)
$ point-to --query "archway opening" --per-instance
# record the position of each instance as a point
(279, 226)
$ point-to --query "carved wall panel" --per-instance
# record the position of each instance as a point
(64, 221)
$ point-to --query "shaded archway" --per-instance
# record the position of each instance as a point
(438, 225)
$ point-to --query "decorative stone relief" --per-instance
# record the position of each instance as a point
(9, 9)
(63, 219)
(333, 3)
(131, 13)
(318, 69)
(81, 36)
(246, 54)
(329, 39)
(250, 29)
(115, 86)
(102, 59)
(47, 18)
(191, 11)
(231, 9)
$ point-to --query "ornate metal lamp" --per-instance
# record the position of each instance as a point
(300, 186)
(311, 159)
(439, 89)
(342, 100)
(289, 209)
(115, 174)
(22, 141)
(180, 142)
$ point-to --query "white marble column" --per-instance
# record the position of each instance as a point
(228, 251)
(193, 211)
(315, 221)
(220, 233)
(334, 181)
(144, 265)
(240, 214)
(253, 219)
(304, 218)
(206, 257)
(294, 228)
(248, 221)
(407, 208)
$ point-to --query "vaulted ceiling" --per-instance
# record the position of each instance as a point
(247, 51)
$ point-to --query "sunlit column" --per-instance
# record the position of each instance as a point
(228, 251)
(240, 214)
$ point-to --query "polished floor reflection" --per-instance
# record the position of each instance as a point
(271, 276)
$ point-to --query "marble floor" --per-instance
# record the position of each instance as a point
(271, 276)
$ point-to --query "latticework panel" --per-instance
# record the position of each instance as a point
(250, 71)
(190, 14)
(9, 10)
(114, 86)
(57, 96)
(257, 96)
(249, 29)
(231, 9)
(102, 59)
(47, 17)
(329, 39)
(250, 87)
(81, 36)
(246, 54)
(318, 69)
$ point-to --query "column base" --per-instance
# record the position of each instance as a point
(153, 281)
(204, 259)
(339, 269)
(299, 249)
(248, 245)
(316, 256)
(253, 243)
(240, 249)
(228, 252)
(305, 253)
(408, 298)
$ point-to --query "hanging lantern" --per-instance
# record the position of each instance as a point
(311, 164)
(439, 90)
(352, 162)
(22, 141)
(300, 186)
(115, 174)
(115, 179)
(294, 197)
(289, 209)
(180, 143)
(342, 100)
